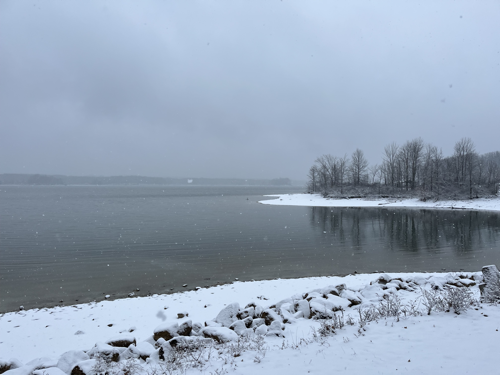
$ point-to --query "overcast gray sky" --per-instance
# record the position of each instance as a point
(249, 89)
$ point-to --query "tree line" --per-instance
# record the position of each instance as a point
(414, 168)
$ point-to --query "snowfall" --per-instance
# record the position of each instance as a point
(356, 324)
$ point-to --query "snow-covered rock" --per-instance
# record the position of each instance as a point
(142, 350)
(270, 316)
(303, 307)
(228, 315)
(9, 364)
(261, 330)
(238, 326)
(122, 341)
(103, 350)
(185, 328)
(220, 334)
(69, 359)
(84, 367)
(490, 287)
(166, 331)
(49, 371)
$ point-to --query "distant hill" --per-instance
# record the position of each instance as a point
(40, 179)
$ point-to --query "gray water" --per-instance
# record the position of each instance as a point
(79, 243)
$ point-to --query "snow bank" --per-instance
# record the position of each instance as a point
(424, 342)
(316, 200)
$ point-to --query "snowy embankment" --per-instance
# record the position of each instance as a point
(357, 323)
(316, 200)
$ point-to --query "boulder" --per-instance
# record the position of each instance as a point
(270, 316)
(220, 334)
(238, 327)
(106, 351)
(196, 330)
(490, 287)
(258, 311)
(185, 328)
(84, 367)
(329, 290)
(322, 308)
(122, 341)
(186, 340)
(248, 321)
(10, 364)
(261, 330)
(69, 359)
(49, 371)
(258, 322)
(245, 313)
(302, 306)
(275, 329)
(282, 302)
(353, 297)
(228, 315)
(166, 331)
(142, 350)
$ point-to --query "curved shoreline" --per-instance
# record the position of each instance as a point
(316, 200)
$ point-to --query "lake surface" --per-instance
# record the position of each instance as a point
(79, 243)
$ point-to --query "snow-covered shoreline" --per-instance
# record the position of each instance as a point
(316, 200)
(429, 342)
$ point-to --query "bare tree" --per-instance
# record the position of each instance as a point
(358, 166)
(390, 160)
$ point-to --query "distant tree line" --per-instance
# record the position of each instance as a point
(411, 169)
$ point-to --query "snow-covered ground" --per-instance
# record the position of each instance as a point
(316, 200)
(440, 343)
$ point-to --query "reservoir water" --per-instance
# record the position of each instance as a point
(79, 243)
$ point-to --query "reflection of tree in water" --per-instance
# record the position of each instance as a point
(408, 230)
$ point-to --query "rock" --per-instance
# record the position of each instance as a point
(142, 350)
(84, 367)
(270, 316)
(182, 315)
(122, 341)
(303, 306)
(329, 290)
(220, 334)
(211, 323)
(185, 328)
(351, 296)
(196, 329)
(282, 302)
(106, 351)
(49, 371)
(312, 295)
(258, 322)
(166, 331)
(186, 340)
(247, 332)
(340, 288)
(261, 330)
(11, 364)
(69, 359)
(258, 311)
(490, 287)
(276, 326)
(248, 321)
(228, 315)
(286, 311)
(383, 279)
(245, 313)
(324, 308)
(467, 282)
(238, 327)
